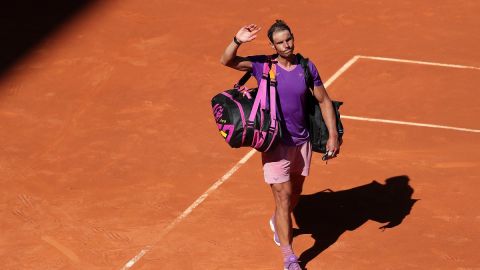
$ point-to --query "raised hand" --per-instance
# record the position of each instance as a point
(248, 33)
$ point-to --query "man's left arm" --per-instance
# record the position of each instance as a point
(328, 114)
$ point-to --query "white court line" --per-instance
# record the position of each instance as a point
(187, 211)
(408, 123)
(412, 123)
(416, 62)
(224, 178)
(339, 72)
(219, 182)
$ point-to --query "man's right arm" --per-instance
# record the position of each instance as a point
(230, 57)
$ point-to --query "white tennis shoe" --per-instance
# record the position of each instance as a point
(275, 236)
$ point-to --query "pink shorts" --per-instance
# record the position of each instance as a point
(282, 161)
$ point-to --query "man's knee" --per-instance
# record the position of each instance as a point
(282, 193)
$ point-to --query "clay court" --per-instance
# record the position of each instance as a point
(110, 157)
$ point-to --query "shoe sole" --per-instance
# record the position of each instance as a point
(273, 230)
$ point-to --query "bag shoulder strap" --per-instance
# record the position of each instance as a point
(244, 79)
(263, 92)
(306, 70)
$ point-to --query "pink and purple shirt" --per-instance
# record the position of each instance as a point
(292, 91)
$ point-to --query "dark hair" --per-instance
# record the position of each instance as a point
(279, 25)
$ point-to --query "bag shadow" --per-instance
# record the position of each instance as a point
(328, 214)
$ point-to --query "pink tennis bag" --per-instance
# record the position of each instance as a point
(248, 117)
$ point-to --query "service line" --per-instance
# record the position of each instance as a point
(408, 123)
(416, 62)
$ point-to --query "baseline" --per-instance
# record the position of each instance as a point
(416, 62)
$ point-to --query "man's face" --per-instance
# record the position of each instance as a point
(283, 43)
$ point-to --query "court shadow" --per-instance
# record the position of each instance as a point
(24, 24)
(328, 214)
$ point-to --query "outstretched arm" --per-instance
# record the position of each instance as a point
(230, 58)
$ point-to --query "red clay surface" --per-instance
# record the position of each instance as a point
(107, 136)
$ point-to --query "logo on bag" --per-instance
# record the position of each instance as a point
(226, 131)
(218, 113)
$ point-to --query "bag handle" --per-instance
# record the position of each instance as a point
(261, 98)
(273, 95)
(268, 84)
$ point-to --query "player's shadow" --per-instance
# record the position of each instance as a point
(328, 214)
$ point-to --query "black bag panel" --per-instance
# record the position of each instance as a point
(228, 117)
(318, 129)
(316, 125)
(224, 118)
(227, 114)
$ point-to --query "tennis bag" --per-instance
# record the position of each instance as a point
(248, 117)
(316, 125)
